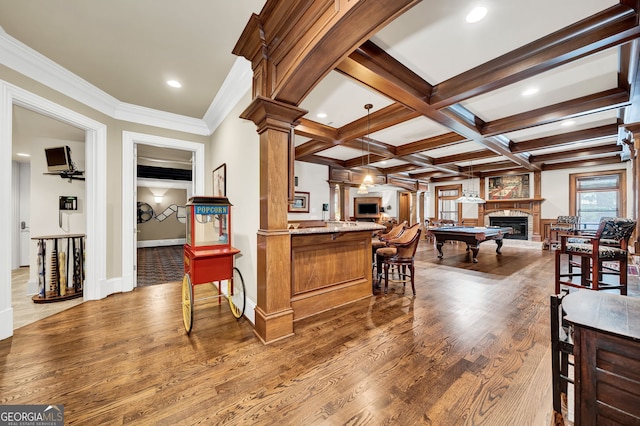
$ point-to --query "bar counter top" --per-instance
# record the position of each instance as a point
(333, 227)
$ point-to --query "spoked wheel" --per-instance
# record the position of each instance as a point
(187, 303)
(236, 296)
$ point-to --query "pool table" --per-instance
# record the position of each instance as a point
(471, 235)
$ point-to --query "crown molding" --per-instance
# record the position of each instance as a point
(166, 120)
(23, 59)
(234, 87)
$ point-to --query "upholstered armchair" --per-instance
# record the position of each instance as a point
(564, 225)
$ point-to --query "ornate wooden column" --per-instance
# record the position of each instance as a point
(292, 45)
(274, 316)
(535, 207)
(421, 208)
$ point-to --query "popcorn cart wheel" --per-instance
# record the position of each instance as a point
(209, 256)
(235, 296)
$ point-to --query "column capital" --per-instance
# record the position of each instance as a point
(271, 114)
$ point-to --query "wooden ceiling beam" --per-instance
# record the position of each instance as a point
(578, 153)
(440, 141)
(606, 131)
(364, 160)
(466, 156)
(612, 27)
(582, 163)
(373, 146)
(317, 159)
(597, 102)
(311, 147)
(363, 66)
(400, 169)
(314, 130)
(381, 119)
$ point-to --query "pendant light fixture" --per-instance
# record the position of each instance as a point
(470, 196)
(368, 180)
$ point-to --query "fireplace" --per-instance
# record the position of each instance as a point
(518, 223)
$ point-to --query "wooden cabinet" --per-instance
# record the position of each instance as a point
(330, 267)
(607, 357)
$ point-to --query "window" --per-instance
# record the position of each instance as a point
(596, 195)
(446, 206)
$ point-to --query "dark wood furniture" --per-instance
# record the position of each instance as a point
(403, 250)
(561, 355)
(609, 244)
(606, 336)
(471, 235)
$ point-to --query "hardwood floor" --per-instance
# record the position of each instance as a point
(471, 348)
(24, 310)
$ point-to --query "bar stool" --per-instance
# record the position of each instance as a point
(381, 241)
(400, 252)
(609, 244)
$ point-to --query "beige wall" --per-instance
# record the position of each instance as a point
(169, 228)
(114, 157)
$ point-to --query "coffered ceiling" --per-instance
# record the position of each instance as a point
(447, 96)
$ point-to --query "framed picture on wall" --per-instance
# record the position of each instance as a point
(220, 181)
(300, 203)
(509, 187)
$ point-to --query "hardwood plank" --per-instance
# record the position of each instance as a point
(471, 347)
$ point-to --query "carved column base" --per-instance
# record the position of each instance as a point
(273, 327)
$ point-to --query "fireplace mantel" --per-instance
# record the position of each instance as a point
(525, 204)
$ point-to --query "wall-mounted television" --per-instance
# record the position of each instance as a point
(367, 207)
(59, 159)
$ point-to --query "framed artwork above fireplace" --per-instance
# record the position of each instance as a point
(509, 187)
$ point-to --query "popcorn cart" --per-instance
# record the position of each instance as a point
(209, 256)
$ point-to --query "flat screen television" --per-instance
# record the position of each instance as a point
(58, 159)
(367, 209)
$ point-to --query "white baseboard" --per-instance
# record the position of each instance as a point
(6, 323)
(161, 243)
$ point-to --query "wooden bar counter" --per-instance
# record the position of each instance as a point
(606, 352)
(330, 266)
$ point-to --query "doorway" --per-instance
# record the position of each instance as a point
(130, 143)
(95, 143)
(404, 207)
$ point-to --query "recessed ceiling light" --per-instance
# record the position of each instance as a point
(530, 91)
(22, 154)
(174, 83)
(476, 14)
(322, 115)
(568, 123)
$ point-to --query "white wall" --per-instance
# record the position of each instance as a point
(312, 178)
(236, 143)
(388, 194)
(555, 188)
